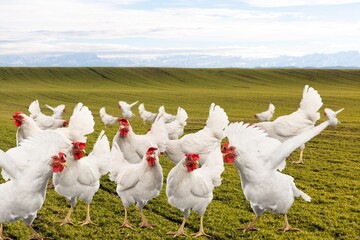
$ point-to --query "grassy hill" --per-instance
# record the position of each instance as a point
(330, 176)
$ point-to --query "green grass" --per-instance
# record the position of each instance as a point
(331, 175)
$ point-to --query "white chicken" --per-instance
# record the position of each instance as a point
(191, 188)
(167, 116)
(107, 119)
(146, 116)
(201, 142)
(126, 109)
(81, 178)
(257, 157)
(266, 115)
(57, 111)
(139, 182)
(81, 123)
(24, 194)
(134, 146)
(176, 128)
(304, 118)
(43, 121)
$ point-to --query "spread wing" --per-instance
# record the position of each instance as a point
(251, 141)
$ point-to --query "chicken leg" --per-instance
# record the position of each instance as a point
(181, 231)
(251, 226)
(67, 219)
(201, 231)
(87, 220)
(300, 161)
(2, 237)
(34, 234)
(287, 226)
(144, 223)
(126, 223)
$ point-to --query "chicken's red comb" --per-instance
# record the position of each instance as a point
(123, 121)
(79, 145)
(193, 156)
(16, 114)
(151, 149)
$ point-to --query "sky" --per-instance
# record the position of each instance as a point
(149, 28)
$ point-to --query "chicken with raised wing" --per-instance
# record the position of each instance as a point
(257, 157)
(57, 111)
(125, 109)
(304, 118)
(43, 121)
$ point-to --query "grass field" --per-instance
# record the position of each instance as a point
(331, 175)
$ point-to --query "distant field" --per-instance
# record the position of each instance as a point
(331, 175)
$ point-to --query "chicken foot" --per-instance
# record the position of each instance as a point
(2, 237)
(67, 219)
(126, 223)
(300, 161)
(87, 220)
(287, 226)
(34, 234)
(144, 223)
(181, 231)
(251, 226)
(201, 231)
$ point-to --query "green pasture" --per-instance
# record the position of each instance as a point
(331, 175)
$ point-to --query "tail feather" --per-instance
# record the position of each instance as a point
(141, 107)
(101, 153)
(311, 103)
(217, 120)
(34, 109)
(299, 193)
(81, 122)
(102, 111)
(181, 116)
(271, 107)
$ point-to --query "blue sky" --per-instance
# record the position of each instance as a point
(148, 28)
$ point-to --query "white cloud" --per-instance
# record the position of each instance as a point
(290, 3)
(106, 26)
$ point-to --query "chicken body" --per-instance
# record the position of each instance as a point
(176, 128)
(126, 109)
(190, 188)
(258, 158)
(304, 118)
(266, 115)
(107, 119)
(136, 183)
(43, 121)
(81, 123)
(25, 193)
(146, 116)
(167, 117)
(57, 111)
(202, 141)
(81, 178)
(134, 146)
